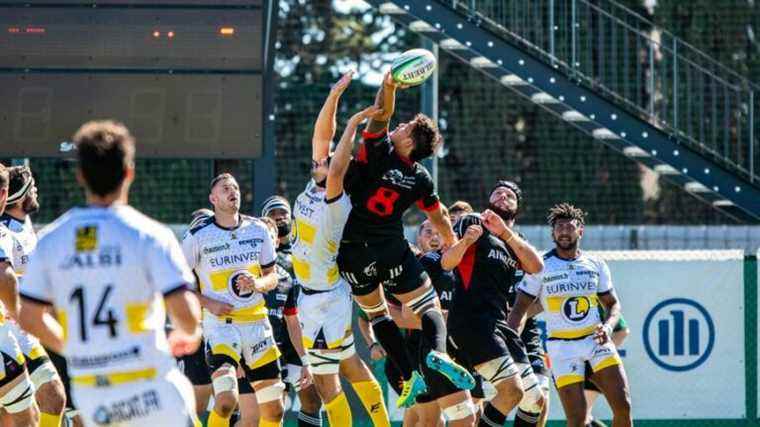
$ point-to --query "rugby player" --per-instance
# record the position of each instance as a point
(22, 201)
(619, 333)
(570, 287)
(16, 388)
(108, 271)
(383, 181)
(234, 258)
(488, 262)
(457, 209)
(324, 303)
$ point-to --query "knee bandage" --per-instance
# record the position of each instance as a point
(43, 374)
(460, 410)
(423, 302)
(380, 307)
(270, 393)
(224, 379)
(533, 396)
(497, 370)
(19, 398)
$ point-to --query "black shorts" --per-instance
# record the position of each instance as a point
(289, 355)
(478, 343)
(194, 367)
(13, 369)
(390, 263)
(63, 371)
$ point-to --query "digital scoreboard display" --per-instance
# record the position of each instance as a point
(186, 77)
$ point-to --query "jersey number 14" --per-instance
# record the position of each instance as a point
(103, 317)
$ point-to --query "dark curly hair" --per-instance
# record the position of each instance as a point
(425, 136)
(565, 211)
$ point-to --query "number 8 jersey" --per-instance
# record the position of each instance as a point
(568, 291)
(106, 271)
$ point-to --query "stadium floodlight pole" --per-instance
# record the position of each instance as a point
(429, 101)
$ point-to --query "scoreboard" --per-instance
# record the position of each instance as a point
(186, 76)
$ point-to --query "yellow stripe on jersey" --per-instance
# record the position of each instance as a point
(249, 314)
(220, 279)
(137, 317)
(306, 232)
(63, 319)
(269, 356)
(115, 378)
(302, 269)
(569, 334)
(554, 304)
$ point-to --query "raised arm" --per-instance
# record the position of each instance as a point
(386, 101)
(453, 256)
(342, 156)
(324, 127)
(530, 260)
(440, 220)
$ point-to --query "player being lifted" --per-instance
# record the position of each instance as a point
(234, 258)
(570, 288)
(16, 388)
(383, 181)
(22, 201)
(324, 305)
(108, 271)
(489, 259)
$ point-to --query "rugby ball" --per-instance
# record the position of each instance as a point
(413, 67)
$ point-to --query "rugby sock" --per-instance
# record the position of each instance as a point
(525, 419)
(338, 411)
(434, 330)
(50, 420)
(216, 420)
(491, 417)
(371, 395)
(389, 336)
(306, 419)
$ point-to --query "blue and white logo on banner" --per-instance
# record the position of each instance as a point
(679, 334)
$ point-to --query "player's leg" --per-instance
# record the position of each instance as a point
(262, 369)
(248, 406)
(367, 388)
(223, 359)
(194, 367)
(529, 407)
(336, 404)
(311, 405)
(411, 285)
(17, 392)
(611, 379)
(71, 415)
(573, 401)
(543, 380)
(459, 409)
(269, 394)
(592, 392)
(568, 368)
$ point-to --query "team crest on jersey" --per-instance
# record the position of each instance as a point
(86, 238)
(576, 309)
(396, 177)
(236, 286)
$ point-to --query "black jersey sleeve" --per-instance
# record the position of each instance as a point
(374, 147)
(442, 280)
(427, 198)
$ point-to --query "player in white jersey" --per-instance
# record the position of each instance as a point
(234, 258)
(570, 288)
(324, 304)
(108, 272)
(22, 201)
(16, 388)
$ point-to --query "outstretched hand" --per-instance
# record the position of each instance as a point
(368, 113)
(340, 86)
(493, 222)
(388, 81)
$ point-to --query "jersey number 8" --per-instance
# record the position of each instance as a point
(381, 203)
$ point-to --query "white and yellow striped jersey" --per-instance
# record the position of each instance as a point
(106, 271)
(220, 256)
(24, 241)
(568, 291)
(318, 229)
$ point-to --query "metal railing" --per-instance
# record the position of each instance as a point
(648, 71)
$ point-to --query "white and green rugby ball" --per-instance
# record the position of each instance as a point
(413, 67)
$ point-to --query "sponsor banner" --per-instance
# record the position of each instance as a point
(685, 353)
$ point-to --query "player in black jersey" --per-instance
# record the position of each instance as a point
(383, 181)
(282, 305)
(487, 260)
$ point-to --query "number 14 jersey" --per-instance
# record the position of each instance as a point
(382, 186)
(106, 271)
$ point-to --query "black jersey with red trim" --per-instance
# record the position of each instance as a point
(282, 301)
(382, 186)
(486, 273)
(443, 281)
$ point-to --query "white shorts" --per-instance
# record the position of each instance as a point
(41, 369)
(161, 402)
(326, 322)
(252, 342)
(16, 398)
(569, 358)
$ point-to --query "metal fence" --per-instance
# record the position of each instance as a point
(646, 69)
